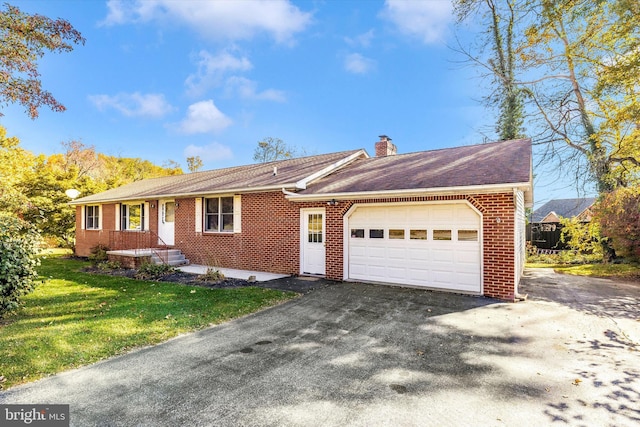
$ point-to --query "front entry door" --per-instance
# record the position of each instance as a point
(166, 222)
(312, 243)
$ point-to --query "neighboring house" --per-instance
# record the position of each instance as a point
(545, 229)
(450, 219)
(555, 209)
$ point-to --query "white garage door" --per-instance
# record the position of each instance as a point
(430, 245)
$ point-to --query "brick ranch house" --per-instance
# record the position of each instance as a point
(450, 219)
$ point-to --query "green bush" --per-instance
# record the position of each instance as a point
(153, 271)
(109, 265)
(98, 254)
(19, 245)
(582, 237)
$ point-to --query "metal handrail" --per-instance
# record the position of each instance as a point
(138, 241)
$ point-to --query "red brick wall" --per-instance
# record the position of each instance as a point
(270, 237)
(87, 239)
(269, 241)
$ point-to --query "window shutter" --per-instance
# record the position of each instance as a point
(146, 215)
(83, 217)
(198, 215)
(99, 217)
(237, 213)
(118, 216)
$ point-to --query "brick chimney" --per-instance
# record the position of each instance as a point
(385, 147)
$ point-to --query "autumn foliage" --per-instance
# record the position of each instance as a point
(618, 214)
(24, 39)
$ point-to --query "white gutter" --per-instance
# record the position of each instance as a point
(288, 193)
(484, 189)
(182, 195)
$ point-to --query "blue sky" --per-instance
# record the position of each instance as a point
(162, 80)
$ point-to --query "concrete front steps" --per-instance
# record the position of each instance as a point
(173, 257)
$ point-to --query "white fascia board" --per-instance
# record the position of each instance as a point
(477, 189)
(278, 188)
(302, 184)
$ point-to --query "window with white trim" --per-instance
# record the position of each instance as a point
(132, 217)
(92, 217)
(218, 214)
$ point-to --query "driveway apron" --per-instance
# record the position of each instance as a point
(363, 355)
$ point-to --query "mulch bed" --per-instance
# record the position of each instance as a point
(179, 277)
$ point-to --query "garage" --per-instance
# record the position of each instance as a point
(433, 245)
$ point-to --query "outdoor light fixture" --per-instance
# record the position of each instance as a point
(332, 202)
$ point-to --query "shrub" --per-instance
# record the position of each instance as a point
(582, 237)
(564, 257)
(98, 254)
(153, 271)
(109, 265)
(19, 245)
(618, 214)
(212, 275)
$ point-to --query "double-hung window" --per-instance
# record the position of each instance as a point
(132, 217)
(218, 214)
(92, 217)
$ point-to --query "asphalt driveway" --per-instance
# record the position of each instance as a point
(364, 355)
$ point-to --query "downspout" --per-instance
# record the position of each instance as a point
(520, 260)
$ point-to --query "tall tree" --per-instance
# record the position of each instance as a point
(24, 39)
(507, 96)
(580, 59)
(15, 162)
(575, 46)
(194, 163)
(270, 149)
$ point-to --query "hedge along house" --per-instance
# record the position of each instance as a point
(450, 219)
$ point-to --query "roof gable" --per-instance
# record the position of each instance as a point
(566, 208)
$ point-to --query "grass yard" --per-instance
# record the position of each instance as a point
(75, 318)
(619, 271)
(614, 271)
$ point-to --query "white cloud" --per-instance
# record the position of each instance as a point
(204, 117)
(209, 153)
(248, 89)
(361, 40)
(212, 68)
(426, 20)
(135, 104)
(217, 20)
(358, 64)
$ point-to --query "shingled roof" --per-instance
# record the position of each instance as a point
(253, 177)
(566, 208)
(348, 173)
(497, 163)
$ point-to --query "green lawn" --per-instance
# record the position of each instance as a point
(75, 318)
(621, 271)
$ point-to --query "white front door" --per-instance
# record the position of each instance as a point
(312, 244)
(166, 222)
